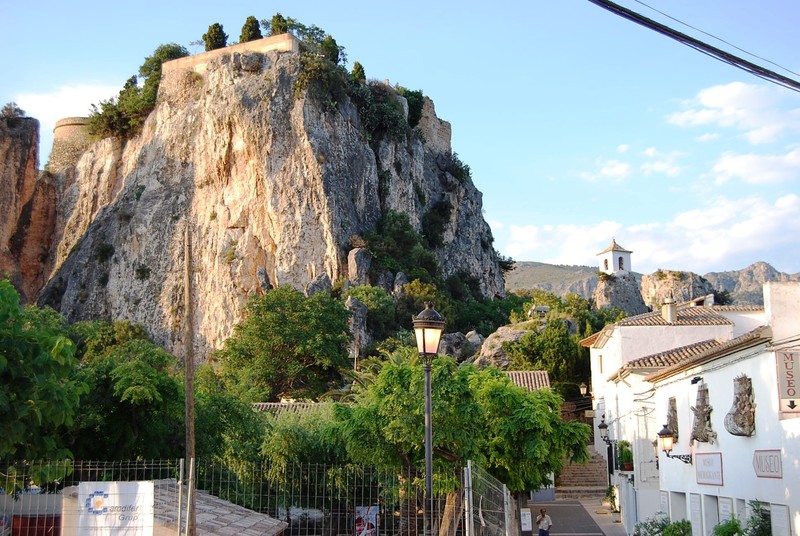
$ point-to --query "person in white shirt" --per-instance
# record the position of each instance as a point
(544, 523)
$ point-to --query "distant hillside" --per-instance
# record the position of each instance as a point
(744, 286)
(556, 278)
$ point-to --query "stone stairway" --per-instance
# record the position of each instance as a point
(581, 481)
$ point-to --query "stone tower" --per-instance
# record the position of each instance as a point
(70, 140)
(615, 259)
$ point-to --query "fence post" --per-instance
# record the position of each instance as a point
(468, 530)
(507, 507)
(180, 493)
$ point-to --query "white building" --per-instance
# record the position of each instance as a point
(737, 410)
(622, 356)
(614, 259)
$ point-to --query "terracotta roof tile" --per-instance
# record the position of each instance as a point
(751, 338)
(615, 247)
(687, 316)
(673, 356)
(279, 407)
(532, 380)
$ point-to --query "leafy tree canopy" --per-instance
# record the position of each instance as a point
(250, 31)
(39, 396)
(477, 414)
(287, 346)
(11, 110)
(277, 24)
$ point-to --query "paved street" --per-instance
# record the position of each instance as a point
(584, 517)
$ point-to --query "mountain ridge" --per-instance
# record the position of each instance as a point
(743, 285)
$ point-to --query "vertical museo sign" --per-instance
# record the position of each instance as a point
(118, 508)
(788, 381)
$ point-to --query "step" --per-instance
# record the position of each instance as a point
(580, 492)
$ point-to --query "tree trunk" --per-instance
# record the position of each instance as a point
(453, 513)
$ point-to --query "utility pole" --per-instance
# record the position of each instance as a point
(188, 338)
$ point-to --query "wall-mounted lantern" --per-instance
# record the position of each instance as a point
(665, 440)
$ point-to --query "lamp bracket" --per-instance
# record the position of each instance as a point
(685, 458)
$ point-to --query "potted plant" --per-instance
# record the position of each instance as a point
(625, 456)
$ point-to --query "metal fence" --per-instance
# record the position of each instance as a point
(300, 499)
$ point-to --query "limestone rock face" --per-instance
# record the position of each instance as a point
(27, 205)
(492, 352)
(681, 286)
(268, 188)
(621, 291)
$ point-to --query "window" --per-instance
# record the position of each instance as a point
(605, 264)
(621, 264)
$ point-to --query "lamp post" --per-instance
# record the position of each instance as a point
(428, 328)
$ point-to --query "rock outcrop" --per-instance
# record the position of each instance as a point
(746, 286)
(620, 291)
(27, 204)
(681, 286)
(269, 189)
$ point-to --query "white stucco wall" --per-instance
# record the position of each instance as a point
(740, 484)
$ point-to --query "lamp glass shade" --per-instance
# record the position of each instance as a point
(665, 439)
(603, 429)
(428, 328)
(583, 389)
(428, 339)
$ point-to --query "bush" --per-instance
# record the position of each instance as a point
(380, 308)
(678, 528)
(731, 527)
(457, 168)
(12, 111)
(358, 73)
(653, 526)
(434, 222)
(415, 101)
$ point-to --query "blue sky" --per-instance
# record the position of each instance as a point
(578, 125)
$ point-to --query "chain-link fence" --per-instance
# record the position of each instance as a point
(60, 498)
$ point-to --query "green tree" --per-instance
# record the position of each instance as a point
(277, 25)
(150, 70)
(477, 415)
(215, 37)
(11, 110)
(358, 73)
(39, 396)
(380, 308)
(135, 402)
(287, 346)
(250, 31)
(330, 50)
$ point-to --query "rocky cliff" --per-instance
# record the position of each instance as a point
(269, 189)
(621, 291)
(746, 286)
(27, 205)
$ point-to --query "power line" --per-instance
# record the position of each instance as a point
(705, 48)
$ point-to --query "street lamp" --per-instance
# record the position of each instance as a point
(583, 387)
(665, 440)
(603, 429)
(428, 328)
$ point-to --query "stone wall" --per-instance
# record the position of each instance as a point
(198, 62)
(70, 140)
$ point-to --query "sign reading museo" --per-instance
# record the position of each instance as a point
(119, 508)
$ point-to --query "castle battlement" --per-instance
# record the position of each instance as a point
(70, 139)
(198, 62)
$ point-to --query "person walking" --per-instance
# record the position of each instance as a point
(544, 523)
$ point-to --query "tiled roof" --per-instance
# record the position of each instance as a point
(614, 247)
(740, 308)
(751, 338)
(279, 407)
(686, 316)
(673, 356)
(532, 380)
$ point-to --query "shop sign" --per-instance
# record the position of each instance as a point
(767, 463)
(708, 468)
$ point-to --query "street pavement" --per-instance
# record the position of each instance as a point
(578, 517)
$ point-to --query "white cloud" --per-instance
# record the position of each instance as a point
(708, 137)
(663, 163)
(723, 234)
(758, 169)
(763, 113)
(623, 148)
(64, 101)
(608, 169)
